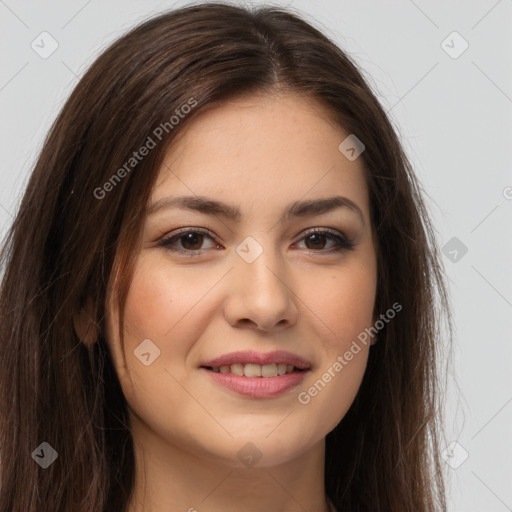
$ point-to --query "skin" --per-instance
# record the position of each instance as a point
(259, 154)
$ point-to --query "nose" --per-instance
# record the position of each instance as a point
(260, 294)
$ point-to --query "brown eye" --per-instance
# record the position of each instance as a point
(189, 241)
(316, 241)
(192, 241)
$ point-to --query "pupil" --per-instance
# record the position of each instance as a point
(315, 237)
(189, 239)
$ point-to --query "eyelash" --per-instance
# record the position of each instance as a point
(343, 243)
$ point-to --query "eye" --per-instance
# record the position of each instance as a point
(317, 237)
(191, 241)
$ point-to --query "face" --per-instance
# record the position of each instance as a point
(244, 306)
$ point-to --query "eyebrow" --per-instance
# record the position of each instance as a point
(296, 209)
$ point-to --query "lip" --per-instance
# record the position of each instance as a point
(258, 387)
(251, 356)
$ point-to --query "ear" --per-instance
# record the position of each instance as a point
(85, 327)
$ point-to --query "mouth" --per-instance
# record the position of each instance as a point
(256, 370)
(257, 375)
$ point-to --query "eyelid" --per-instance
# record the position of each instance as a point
(343, 242)
(165, 241)
(330, 231)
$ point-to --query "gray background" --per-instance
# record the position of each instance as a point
(453, 115)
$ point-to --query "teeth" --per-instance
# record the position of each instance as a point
(237, 369)
(269, 370)
(256, 370)
(252, 370)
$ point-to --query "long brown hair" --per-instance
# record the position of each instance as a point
(79, 223)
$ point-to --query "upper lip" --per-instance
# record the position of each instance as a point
(253, 357)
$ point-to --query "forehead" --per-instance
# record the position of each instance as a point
(262, 151)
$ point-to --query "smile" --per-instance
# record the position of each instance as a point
(256, 370)
(256, 374)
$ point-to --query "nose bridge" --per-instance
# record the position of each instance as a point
(260, 293)
(260, 265)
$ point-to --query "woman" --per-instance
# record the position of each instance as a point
(220, 287)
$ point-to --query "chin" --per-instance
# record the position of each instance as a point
(261, 448)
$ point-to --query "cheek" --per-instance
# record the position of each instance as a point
(346, 304)
(155, 310)
(167, 306)
(151, 304)
(346, 307)
(160, 303)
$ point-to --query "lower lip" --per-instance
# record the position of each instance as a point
(258, 387)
